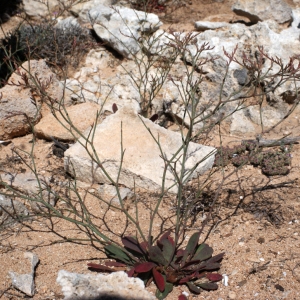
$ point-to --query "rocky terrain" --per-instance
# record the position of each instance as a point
(98, 102)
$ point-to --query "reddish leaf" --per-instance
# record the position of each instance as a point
(214, 276)
(159, 280)
(180, 253)
(182, 297)
(100, 268)
(199, 275)
(164, 236)
(154, 117)
(132, 244)
(114, 264)
(130, 273)
(114, 108)
(144, 267)
(185, 279)
(144, 246)
(171, 241)
(209, 286)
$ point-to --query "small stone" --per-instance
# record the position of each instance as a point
(232, 295)
(241, 283)
(253, 259)
(225, 280)
(261, 240)
(25, 282)
(279, 287)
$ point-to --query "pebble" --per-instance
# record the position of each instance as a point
(225, 280)
(253, 259)
(232, 295)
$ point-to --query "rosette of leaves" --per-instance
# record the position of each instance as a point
(165, 263)
(223, 156)
(276, 163)
(240, 160)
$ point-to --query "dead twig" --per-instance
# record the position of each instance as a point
(272, 143)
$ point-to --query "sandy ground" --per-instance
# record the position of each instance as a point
(255, 221)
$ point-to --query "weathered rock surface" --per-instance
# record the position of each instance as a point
(241, 124)
(206, 25)
(18, 112)
(88, 84)
(142, 164)
(261, 10)
(109, 193)
(21, 105)
(25, 282)
(98, 286)
(28, 184)
(10, 209)
(81, 8)
(268, 116)
(38, 9)
(121, 27)
(39, 74)
(82, 116)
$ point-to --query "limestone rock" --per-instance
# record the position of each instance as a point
(240, 123)
(104, 92)
(98, 286)
(261, 10)
(269, 115)
(109, 193)
(121, 27)
(9, 209)
(82, 116)
(25, 282)
(18, 112)
(28, 184)
(206, 25)
(142, 164)
(81, 8)
(38, 9)
(37, 70)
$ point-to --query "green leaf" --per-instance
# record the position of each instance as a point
(203, 252)
(164, 236)
(193, 288)
(162, 295)
(156, 255)
(117, 253)
(209, 286)
(168, 250)
(192, 243)
(216, 258)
